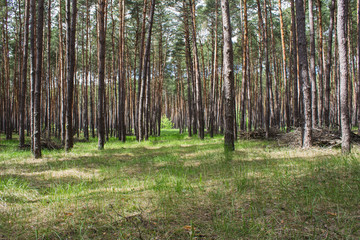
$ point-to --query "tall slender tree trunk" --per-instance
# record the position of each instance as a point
(189, 67)
(358, 65)
(71, 31)
(285, 79)
(92, 94)
(62, 80)
(86, 111)
(321, 66)
(134, 103)
(7, 98)
(101, 73)
(228, 77)
(141, 65)
(38, 77)
(122, 80)
(294, 71)
(24, 69)
(312, 75)
(275, 98)
(18, 71)
(161, 74)
(143, 84)
(48, 80)
(261, 43)
(147, 101)
(267, 72)
(214, 78)
(328, 67)
(199, 106)
(244, 70)
(342, 30)
(303, 66)
(33, 68)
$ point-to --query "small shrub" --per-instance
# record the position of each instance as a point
(166, 123)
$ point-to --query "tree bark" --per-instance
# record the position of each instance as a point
(321, 66)
(342, 29)
(62, 80)
(199, 106)
(71, 31)
(358, 65)
(143, 83)
(189, 67)
(24, 75)
(38, 77)
(48, 79)
(312, 74)
(214, 78)
(101, 73)
(122, 80)
(294, 71)
(86, 111)
(141, 64)
(328, 67)
(285, 79)
(228, 77)
(33, 68)
(244, 70)
(7, 95)
(267, 72)
(261, 47)
(303, 66)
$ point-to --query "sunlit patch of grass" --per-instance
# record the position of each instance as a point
(171, 185)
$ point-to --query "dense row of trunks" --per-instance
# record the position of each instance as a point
(298, 86)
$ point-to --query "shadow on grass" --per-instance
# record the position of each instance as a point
(229, 199)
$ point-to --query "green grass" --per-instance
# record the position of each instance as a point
(176, 187)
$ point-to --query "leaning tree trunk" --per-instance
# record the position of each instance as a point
(101, 72)
(38, 76)
(24, 75)
(303, 67)
(228, 77)
(342, 29)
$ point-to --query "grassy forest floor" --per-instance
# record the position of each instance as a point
(176, 187)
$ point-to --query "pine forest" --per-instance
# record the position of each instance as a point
(189, 119)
